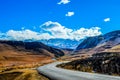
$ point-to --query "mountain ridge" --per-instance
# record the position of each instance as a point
(32, 47)
(100, 43)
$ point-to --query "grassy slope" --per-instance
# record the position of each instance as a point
(17, 64)
(22, 74)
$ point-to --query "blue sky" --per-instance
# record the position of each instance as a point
(72, 17)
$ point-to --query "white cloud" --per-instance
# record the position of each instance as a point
(70, 14)
(84, 32)
(26, 35)
(51, 30)
(56, 29)
(59, 31)
(106, 19)
(64, 2)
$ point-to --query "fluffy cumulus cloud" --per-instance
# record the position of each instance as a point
(51, 30)
(26, 35)
(70, 14)
(58, 31)
(106, 19)
(84, 32)
(64, 2)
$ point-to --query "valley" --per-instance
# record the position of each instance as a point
(99, 54)
(20, 59)
(59, 39)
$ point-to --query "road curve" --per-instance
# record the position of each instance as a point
(54, 73)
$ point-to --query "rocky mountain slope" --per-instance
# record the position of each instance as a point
(99, 43)
(104, 55)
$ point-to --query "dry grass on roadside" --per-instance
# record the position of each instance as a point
(22, 71)
(22, 74)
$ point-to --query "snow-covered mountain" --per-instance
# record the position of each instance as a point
(62, 43)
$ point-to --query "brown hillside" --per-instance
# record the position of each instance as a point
(14, 53)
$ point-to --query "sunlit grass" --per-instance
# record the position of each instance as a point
(21, 74)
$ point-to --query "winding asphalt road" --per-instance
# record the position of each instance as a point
(54, 73)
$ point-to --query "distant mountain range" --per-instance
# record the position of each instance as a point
(107, 41)
(59, 43)
(62, 43)
(99, 43)
(88, 45)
